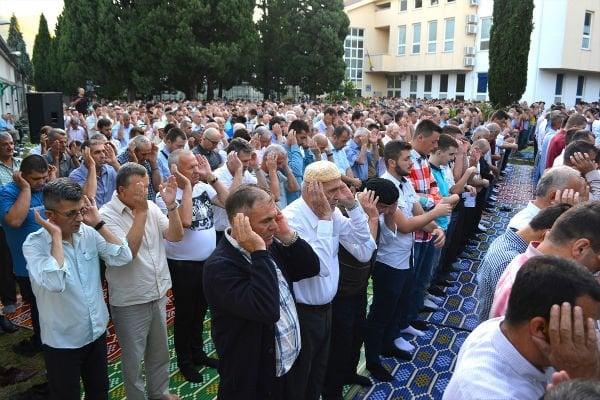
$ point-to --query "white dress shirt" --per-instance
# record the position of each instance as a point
(226, 179)
(489, 367)
(324, 237)
(523, 217)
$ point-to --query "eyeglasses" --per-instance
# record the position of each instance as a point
(215, 142)
(71, 214)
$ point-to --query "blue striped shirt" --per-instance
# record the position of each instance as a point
(500, 253)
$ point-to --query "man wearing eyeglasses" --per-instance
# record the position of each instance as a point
(63, 262)
(208, 147)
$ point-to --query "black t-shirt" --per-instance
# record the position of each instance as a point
(82, 105)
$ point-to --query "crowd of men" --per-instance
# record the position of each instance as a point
(274, 217)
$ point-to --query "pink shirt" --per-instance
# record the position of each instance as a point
(505, 284)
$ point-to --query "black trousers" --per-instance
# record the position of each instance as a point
(8, 288)
(65, 367)
(27, 294)
(348, 328)
(305, 380)
(190, 309)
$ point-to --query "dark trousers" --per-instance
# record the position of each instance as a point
(8, 288)
(305, 380)
(424, 253)
(347, 327)
(388, 313)
(27, 294)
(190, 309)
(455, 238)
(65, 367)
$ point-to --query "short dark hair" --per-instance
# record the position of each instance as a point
(574, 134)
(340, 130)
(384, 189)
(427, 128)
(499, 115)
(451, 130)
(33, 163)
(356, 115)
(239, 145)
(548, 216)
(578, 146)
(243, 198)
(398, 116)
(446, 142)
(330, 111)
(580, 221)
(536, 287)
(61, 189)
(275, 120)
(393, 148)
(103, 123)
(242, 133)
(299, 125)
(128, 170)
(174, 133)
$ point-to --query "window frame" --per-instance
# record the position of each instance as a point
(430, 42)
(416, 44)
(446, 39)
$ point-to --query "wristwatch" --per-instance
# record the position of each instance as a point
(174, 207)
(212, 180)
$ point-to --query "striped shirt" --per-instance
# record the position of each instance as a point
(500, 253)
(424, 184)
(6, 172)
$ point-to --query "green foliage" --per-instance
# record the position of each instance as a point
(509, 49)
(15, 42)
(41, 60)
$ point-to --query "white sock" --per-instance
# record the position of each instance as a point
(403, 344)
(413, 331)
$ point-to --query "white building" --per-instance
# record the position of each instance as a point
(439, 49)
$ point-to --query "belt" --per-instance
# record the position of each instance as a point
(314, 307)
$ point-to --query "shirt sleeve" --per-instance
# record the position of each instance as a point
(295, 160)
(355, 234)
(42, 266)
(113, 254)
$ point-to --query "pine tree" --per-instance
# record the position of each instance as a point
(509, 50)
(41, 57)
(15, 42)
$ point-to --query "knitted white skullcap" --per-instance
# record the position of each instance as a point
(321, 171)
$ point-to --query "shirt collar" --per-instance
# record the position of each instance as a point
(388, 176)
(236, 245)
(118, 205)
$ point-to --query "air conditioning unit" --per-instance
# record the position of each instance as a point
(471, 29)
(471, 19)
(474, 3)
(469, 61)
(469, 51)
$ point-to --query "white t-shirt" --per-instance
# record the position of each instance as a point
(199, 240)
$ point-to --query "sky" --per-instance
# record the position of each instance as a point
(28, 15)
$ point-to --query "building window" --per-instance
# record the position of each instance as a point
(402, 40)
(579, 91)
(416, 47)
(414, 79)
(449, 35)
(383, 6)
(443, 86)
(451, 1)
(353, 55)
(434, 2)
(394, 84)
(587, 30)
(460, 87)
(486, 26)
(418, 3)
(403, 5)
(482, 83)
(428, 84)
(558, 89)
(432, 36)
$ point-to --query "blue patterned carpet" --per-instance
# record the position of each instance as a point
(428, 374)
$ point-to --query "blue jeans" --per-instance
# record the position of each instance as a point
(391, 297)
(424, 253)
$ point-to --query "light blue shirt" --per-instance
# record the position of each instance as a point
(70, 299)
(106, 182)
(163, 163)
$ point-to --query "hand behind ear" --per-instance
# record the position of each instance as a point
(569, 346)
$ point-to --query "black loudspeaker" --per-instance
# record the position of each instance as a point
(44, 108)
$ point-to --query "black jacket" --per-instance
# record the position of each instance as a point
(244, 303)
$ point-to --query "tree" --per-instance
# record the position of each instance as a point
(15, 42)
(318, 48)
(41, 59)
(509, 50)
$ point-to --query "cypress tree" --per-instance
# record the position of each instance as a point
(41, 57)
(15, 42)
(509, 50)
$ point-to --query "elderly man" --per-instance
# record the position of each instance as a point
(338, 140)
(142, 151)
(278, 174)
(509, 358)
(207, 147)
(248, 286)
(59, 155)
(197, 190)
(62, 249)
(315, 216)
(138, 289)
(121, 129)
